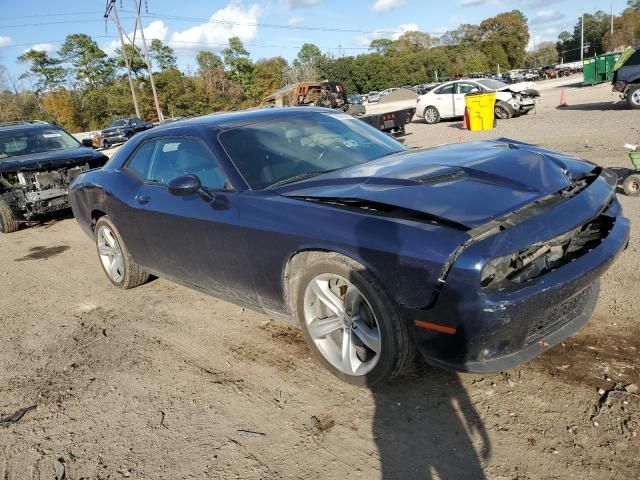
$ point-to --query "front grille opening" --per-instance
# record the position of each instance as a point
(558, 316)
(537, 260)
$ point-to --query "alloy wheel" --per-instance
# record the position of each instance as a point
(430, 115)
(635, 97)
(342, 325)
(110, 254)
(501, 113)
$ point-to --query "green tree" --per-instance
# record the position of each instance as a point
(413, 41)
(89, 64)
(545, 53)
(268, 75)
(381, 45)
(309, 53)
(43, 69)
(207, 60)
(510, 30)
(163, 55)
(137, 63)
(238, 64)
(496, 56)
(633, 4)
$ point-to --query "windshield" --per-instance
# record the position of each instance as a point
(271, 152)
(491, 83)
(18, 142)
(118, 123)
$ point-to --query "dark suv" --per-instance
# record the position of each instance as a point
(626, 79)
(119, 131)
(38, 162)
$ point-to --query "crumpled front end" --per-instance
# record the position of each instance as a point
(510, 297)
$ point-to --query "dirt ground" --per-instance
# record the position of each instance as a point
(164, 382)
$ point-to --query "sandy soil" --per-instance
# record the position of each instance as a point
(164, 382)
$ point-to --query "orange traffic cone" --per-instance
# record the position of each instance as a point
(563, 99)
(465, 119)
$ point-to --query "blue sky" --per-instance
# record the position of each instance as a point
(268, 27)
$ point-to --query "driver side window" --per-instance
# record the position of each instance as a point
(175, 157)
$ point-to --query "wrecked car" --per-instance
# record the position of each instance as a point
(38, 162)
(626, 77)
(333, 95)
(479, 255)
(447, 100)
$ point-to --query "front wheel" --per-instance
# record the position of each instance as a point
(119, 266)
(503, 111)
(633, 97)
(431, 115)
(352, 326)
(631, 185)
(8, 221)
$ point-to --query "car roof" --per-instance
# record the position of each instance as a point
(227, 120)
(27, 125)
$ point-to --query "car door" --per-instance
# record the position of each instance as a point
(194, 238)
(462, 89)
(443, 100)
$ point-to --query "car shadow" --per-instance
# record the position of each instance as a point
(597, 106)
(425, 424)
(49, 220)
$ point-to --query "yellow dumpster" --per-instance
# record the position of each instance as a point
(480, 107)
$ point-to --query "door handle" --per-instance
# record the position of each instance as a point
(143, 199)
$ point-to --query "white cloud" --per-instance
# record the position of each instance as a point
(546, 16)
(300, 3)
(42, 47)
(386, 5)
(156, 29)
(295, 21)
(392, 33)
(234, 20)
(5, 41)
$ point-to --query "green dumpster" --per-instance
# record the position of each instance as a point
(599, 69)
(589, 72)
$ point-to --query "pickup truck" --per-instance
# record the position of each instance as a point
(626, 77)
(119, 131)
(333, 95)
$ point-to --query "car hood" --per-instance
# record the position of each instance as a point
(53, 159)
(517, 87)
(114, 129)
(466, 184)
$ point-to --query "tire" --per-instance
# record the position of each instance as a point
(631, 185)
(503, 111)
(370, 313)
(127, 273)
(633, 97)
(431, 115)
(8, 221)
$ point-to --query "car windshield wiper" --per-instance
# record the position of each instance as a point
(296, 178)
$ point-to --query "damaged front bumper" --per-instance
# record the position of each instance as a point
(488, 330)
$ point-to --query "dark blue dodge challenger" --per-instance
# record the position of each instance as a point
(479, 255)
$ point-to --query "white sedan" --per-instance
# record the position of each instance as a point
(447, 100)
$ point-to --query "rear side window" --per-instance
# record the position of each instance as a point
(446, 90)
(139, 163)
(634, 60)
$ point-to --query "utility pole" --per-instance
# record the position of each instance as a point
(612, 46)
(582, 37)
(111, 6)
(147, 60)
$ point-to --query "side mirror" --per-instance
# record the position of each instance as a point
(86, 142)
(185, 185)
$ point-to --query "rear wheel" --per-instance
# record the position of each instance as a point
(503, 110)
(431, 115)
(352, 326)
(633, 97)
(8, 221)
(119, 266)
(631, 185)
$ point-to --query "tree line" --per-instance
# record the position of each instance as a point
(82, 88)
